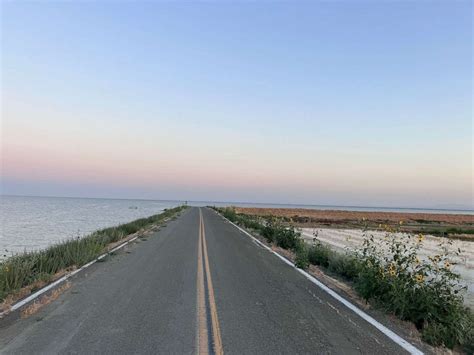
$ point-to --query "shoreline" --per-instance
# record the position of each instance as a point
(322, 207)
(23, 273)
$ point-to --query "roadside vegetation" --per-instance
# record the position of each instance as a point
(40, 267)
(388, 273)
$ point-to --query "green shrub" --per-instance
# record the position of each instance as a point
(344, 265)
(425, 292)
(253, 224)
(301, 255)
(319, 255)
(286, 238)
(248, 221)
(229, 213)
(268, 233)
(438, 333)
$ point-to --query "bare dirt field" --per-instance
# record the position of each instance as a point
(459, 226)
(335, 215)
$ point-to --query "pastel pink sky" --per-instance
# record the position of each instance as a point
(76, 150)
(173, 109)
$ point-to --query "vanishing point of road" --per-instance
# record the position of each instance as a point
(198, 285)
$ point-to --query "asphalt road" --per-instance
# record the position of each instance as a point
(199, 285)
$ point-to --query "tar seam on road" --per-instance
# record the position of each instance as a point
(202, 332)
(389, 333)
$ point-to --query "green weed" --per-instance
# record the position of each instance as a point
(301, 255)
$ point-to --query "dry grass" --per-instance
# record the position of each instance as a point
(24, 292)
(45, 300)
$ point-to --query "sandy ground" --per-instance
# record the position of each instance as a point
(350, 239)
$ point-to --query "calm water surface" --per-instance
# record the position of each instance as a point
(32, 223)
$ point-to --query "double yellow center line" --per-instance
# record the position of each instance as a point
(204, 274)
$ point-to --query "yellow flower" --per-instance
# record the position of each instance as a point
(392, 272)
(447, 265)
(419, 278)
(417, 260)
(421, 237)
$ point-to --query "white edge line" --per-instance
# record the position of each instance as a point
(396, 338)
(62, 279)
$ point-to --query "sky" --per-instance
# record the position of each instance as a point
(338, 103)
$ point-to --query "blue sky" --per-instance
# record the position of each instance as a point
(308, 102)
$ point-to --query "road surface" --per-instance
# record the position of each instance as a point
(198, 285)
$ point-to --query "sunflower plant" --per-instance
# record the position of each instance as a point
(425, 291)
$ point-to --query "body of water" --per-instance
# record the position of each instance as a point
(33, 223)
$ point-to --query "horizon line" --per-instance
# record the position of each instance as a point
(250, 203)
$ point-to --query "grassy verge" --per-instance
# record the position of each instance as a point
(387, 273)
(39, 267)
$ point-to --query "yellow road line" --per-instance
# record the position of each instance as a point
(202, 333)
(216, 331)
